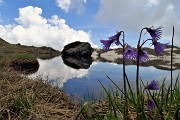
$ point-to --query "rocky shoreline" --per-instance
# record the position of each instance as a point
(161, 62)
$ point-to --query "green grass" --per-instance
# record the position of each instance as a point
(8, 58)
(112, 106)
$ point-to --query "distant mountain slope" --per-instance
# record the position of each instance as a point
(161, 62)
(149, 50)
(6, 47)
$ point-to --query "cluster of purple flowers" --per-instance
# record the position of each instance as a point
(130, 53)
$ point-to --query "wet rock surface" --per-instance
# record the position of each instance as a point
(77, 55)
(78, 63)
(77, 49)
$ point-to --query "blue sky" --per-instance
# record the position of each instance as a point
(56, 23)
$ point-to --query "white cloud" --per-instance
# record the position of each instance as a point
(33, 29)
(132, 16)
(58, 72)
(64, 4)
(30, 16)
(56, 21)
(68, 5)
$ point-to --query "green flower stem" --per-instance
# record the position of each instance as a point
(137, 74)
(171, 94)
(124, 80)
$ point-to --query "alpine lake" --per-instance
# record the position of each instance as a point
(79, 79)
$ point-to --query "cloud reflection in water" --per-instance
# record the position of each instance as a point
(56, 72)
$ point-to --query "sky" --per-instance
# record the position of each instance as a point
(55, 23)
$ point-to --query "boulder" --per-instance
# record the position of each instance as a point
(77, 49)
(77, 55)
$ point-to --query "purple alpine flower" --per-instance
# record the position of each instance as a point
(143, 56)
(155, 33)
(106, 44)
(129, 53)
(151, 105)
(153, 85)
(115, 38)
(159, 47)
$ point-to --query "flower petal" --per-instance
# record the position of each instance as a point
(155, 33)
(159, 47)
(106, 44)
(153, 85)
(129, 53)
(143, 56)
(151, 105)
(115, 38)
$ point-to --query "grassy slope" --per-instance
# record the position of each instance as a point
(6, 47)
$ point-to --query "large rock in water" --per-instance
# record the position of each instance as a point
(77, 49)
(77, 55)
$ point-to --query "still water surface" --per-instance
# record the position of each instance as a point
(83, 83)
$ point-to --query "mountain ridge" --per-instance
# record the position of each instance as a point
(6, 47)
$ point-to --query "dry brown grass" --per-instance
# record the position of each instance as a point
(22, 98)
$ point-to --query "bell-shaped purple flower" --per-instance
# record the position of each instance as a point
(115, 38)
(129, 53)
(151, 105)
(143, 56)
(106, 44)
(155, 33)
(159, 47)
(153, 85)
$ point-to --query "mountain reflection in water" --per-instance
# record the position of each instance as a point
(84, 83)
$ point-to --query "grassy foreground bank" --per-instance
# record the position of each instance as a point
(22, 98)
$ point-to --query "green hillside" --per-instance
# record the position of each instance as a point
(6, 47)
